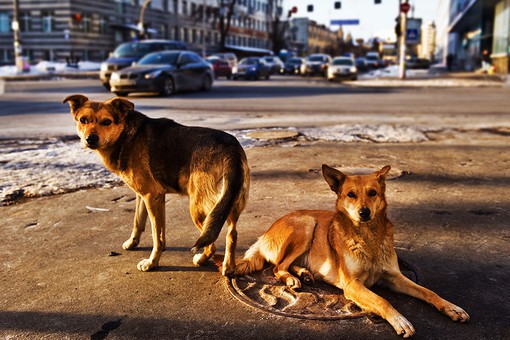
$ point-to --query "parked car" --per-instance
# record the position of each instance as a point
(230, 57)
(361, 64)
(275, 63)
(342, 68)
(372, 60)
(164, 72)
(221, 67)
(316, 64)
(127, 53)
(293, 66)
(252, 68)
(417, 63)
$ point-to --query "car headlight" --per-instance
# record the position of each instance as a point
(353, 69)
(234, 69)
(153, 74)
(104, 67)
(254, 69)
(115, 76)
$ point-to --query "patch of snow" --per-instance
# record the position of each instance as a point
(44, 67)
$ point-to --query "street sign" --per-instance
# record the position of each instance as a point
(344, 22)
(405, 7)
(412, 36)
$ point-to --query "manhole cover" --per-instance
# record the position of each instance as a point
(318, 302)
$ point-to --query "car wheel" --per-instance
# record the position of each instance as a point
(229, 76)
(107, 86)
(268, 76)
(206, 83)
(168, 87)
(121, 94)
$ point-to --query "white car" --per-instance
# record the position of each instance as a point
(342, 68)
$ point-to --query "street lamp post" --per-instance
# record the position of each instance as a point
(141, 27)
(403, 38)
(17, 41)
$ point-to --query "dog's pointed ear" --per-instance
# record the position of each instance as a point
(383, 172)
(122, 106)
(333, 177)
(75, 101)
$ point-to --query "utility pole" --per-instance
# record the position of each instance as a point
(140, 21)
(403, 8)
(17, 42)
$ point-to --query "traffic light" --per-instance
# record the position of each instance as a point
(293, 10)
(309, 8)
(338, 5)
(377, 2)
(76, 17)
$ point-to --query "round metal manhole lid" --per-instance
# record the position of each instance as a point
(321, 301)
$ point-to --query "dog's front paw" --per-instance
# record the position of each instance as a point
(402, 326)
(146, 265)
(293, 283)
(130, 244)
(456, 313)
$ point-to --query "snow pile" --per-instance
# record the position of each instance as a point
(45, 67)
(31, 168)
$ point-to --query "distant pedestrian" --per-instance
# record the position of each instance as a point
(449, 62)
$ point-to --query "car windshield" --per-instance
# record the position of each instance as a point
(249, 61)
(317, 58)
(346, 62)
(132, 50)
(159, 58)
(269, 59)
(371, 57)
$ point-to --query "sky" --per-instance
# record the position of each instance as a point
(375, 20)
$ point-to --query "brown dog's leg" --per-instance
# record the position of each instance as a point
(138, 225)
(229, 262)
(401, 284)
(155, 204)
(303, 273)
(198, 216)
(369, 301)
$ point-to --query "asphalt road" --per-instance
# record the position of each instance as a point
(33, 108)
(449, 202)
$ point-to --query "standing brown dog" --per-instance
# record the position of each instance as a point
(351, 249)
(159, 156)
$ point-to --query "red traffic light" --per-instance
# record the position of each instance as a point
(293, 10)
(405, 7)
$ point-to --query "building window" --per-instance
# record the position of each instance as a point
(25, 24)
(185, 7)
(87, 23)
(5, 23)
(103, 25)
(47, 21)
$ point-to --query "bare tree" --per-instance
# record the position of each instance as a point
(277, 27)
(223, 19)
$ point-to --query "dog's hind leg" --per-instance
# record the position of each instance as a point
(155, 204)
(198, 217)
(138, 224)
(229, 262)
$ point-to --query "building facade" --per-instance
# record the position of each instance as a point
(478, 32)
(307, 37)
(91, 29)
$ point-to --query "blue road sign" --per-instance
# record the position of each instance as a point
(412, 36)
(345, 22)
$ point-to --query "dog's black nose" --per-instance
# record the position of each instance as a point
(364, 213)
(92, 140)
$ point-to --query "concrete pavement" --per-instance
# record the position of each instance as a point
(449, 202)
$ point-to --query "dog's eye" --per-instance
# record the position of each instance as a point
(106, 122)
(83, 120)
(372, 192)
(351, 194)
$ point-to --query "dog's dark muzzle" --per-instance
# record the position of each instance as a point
(364, 214)
(92, 141)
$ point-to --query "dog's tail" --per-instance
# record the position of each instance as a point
(253, 260)
(233, 196)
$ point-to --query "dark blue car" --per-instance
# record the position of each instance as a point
(127, 53)
(252, 68)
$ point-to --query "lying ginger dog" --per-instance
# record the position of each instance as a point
(159, 156)
(351, 248)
